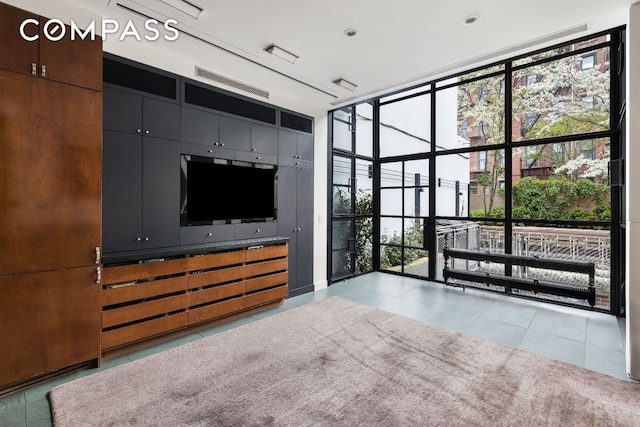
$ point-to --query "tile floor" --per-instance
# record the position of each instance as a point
(584, 338)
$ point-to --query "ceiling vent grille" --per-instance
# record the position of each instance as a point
(201, 72)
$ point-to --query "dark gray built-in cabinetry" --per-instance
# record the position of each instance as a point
(152, 120)
(141, 156)
(295, 178)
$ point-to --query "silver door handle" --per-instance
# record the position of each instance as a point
(98, 275)
(97, 254)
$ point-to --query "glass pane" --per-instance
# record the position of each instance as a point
(341, 185)
(561, 50)
(472, 235)
(364, 129)
(342, 129)
(568, 96)
(415, 257)
(471, 114)
(404, 93)
(416, 202)
(391, 230)
(405, 127)
(391, 201)
(416, 172)
(364, 186)
(471, 184)
(391, 258)
(471, 75)
(562, 181)
(571, 244)
(391, 174)
(364, 245)
(342, 247)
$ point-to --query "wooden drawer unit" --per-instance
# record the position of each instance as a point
(146, 299)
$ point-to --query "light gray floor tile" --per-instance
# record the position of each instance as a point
(496, 331)
(604, 331)
(561, 324)
(450, 319)
(554, 347)
(605, 360)
(512, 312)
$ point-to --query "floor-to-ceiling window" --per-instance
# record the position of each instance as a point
(351, 192)
(514, 157)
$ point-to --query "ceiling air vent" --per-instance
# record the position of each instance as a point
(201, 72)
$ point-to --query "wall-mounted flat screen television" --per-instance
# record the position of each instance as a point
(218, 191)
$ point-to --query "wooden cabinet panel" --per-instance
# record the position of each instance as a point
(17, 54)
(216, 276)
(264, 297)
(49, 321)
(138, 291)
(201, 262)
(143, 310)
(126, 273)
(77, 62)
(138, 331)
(267, 252)
(216, 293)
(264, 282)
(219, 309)
(266, 267)
(50, 174)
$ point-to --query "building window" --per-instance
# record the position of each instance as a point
(532, 79)
(531, 156)
(587, 149)
(588, 61)
(482, 160)
(473, 187)
(587, 102)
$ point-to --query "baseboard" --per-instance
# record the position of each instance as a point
(320, 285)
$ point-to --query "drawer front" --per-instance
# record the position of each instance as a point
(207, 151)
(202, 234)
(256, 230)
(254, 157)
(295, 163)
(268, 252)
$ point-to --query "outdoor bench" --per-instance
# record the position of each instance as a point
(586, 292)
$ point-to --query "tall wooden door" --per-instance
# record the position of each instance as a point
(50, 174)
(48, 321)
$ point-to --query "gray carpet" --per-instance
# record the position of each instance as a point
(336, 362)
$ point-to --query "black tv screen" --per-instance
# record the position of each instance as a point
(215, 190)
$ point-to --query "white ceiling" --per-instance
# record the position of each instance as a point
(399, 43)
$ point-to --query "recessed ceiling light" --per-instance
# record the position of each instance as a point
(185, 7)
(472, 19)
(346, 84)
(281, 53)
(350, 32)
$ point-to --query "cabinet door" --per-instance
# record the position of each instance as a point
(122, 192)
(50, 174)
(235, 134)
(50, 321)
(304, 235)
(122, 111)
(17, 54)
(77, 62)
(287, 215)
(160, 193)
(304, 144)
(160, 119)
(264, 139)
(287, 144)
(199, 127)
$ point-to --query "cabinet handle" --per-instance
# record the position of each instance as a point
(253, 149)
(97, 254)
(139, 239)
(209, 151)
(258, 230)
(258, 158)
(98, 275)
(146, 239)
(297, 163)
(34, 68)
(139, 130)
(222, 144)
(43, 71)
(209, 234)
(147, 132)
